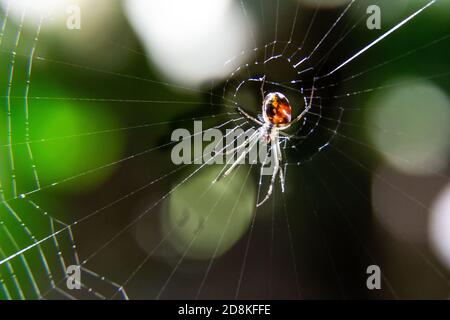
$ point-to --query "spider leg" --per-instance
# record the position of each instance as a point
(223, 151)
(263, 81)
(282, 181)
(251, 142)
(249, 117)
(281, 170)
(291, 136)
(276, 169)
(301, 115)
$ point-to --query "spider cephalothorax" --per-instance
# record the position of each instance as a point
(276, 117)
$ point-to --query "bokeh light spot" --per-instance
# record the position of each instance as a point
(410, 126)
(439, 226)
(190, 40)
(187, 213)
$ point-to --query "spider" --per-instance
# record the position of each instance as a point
(276, 117)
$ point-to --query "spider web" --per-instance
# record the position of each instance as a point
(299, 48)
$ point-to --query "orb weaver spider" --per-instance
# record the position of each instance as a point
(275, 118)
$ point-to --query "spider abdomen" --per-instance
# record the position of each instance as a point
(276, 109)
